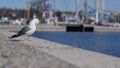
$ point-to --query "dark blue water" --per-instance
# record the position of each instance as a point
(102, 42)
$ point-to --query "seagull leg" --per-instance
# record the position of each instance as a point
(28, 38)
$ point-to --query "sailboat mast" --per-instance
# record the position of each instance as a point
(28, 9)
(86, 11)
(77, 9)
(97, 12)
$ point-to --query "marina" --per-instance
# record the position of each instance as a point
(59, 34)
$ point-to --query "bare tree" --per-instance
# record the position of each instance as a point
(37, 5)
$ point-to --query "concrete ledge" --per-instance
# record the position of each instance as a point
(106, 29)
(20, 53)
(78, 57)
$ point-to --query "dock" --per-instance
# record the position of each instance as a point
(46, 27)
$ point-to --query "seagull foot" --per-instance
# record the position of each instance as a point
(28, 39)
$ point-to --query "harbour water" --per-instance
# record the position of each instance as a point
(102, 42)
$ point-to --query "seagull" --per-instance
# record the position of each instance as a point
(29, 29)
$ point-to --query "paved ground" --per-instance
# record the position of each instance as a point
(16, 54)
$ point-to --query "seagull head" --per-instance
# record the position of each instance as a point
(34, 21)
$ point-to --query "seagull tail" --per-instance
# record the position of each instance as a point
(14, 36)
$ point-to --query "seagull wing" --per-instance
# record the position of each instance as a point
(23, 30)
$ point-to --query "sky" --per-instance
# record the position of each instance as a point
(62, 4)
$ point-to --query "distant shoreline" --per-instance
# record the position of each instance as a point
(46, 27)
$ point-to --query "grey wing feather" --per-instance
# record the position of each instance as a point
(24, 30)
